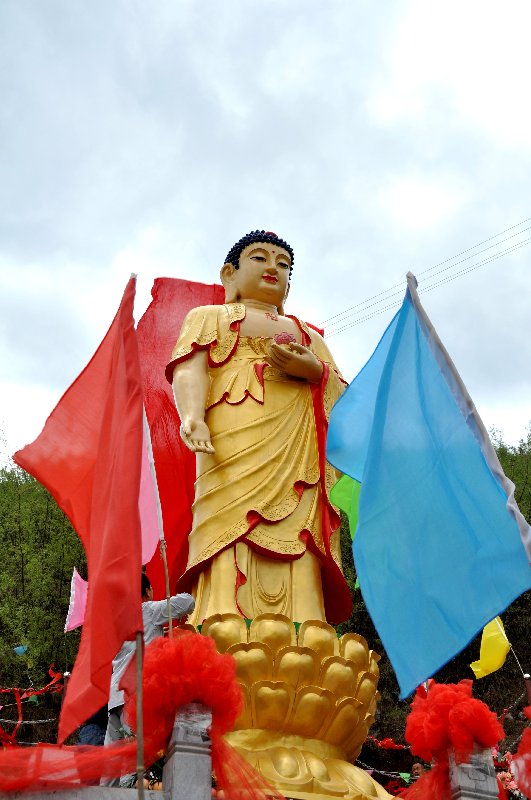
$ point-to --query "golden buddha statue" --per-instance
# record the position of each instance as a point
(254, 389)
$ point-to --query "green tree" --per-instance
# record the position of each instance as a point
(38, 550)
(516, 463)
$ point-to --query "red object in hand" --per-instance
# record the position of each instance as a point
(284, 338)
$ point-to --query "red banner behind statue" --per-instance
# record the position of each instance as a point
(158, 331)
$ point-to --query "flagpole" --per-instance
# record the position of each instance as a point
(139, 717)
(510, 646)
(162, 542)
(527, 681)
(167, 579)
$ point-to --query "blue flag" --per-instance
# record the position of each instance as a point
(440, 546)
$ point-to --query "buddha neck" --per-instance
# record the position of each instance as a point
(258, 305)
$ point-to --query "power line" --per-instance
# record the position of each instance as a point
(396, 304)
(399, 292)
(429, 287)
(390, 292)
(479, 264)
(480, 243)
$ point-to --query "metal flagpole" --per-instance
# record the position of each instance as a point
(502, 631)
(139, 717)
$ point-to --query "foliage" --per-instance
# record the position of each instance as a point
(38, 550)
(500, 690)
(516, 463)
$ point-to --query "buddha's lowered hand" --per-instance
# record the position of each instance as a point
(196, 435)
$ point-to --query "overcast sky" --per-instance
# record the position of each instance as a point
(376, 138)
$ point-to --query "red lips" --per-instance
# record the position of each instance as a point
(270, 278)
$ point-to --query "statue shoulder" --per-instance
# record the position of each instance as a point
(207, 328)
(213, 317)
(201, 313)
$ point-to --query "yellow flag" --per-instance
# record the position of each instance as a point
(493, 650)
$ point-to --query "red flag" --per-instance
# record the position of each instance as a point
(158, 330)
(89, 456)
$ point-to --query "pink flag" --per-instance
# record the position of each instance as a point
(78, 602)
(148, 505)
(148, 500)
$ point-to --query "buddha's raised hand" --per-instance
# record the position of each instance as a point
(296, 360)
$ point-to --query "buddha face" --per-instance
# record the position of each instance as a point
(263, 275)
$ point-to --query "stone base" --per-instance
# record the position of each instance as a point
(475, 780)
(187, 773)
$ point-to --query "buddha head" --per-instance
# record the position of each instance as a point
(258, 267)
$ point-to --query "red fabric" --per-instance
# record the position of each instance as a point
(432, 785)
(88, 456)
(22, 694)
(320, 331)
(521, 763)
(177, 671)
(502, 794)
(336, 593)
(51, 767)
(7, 738)
(447, 719)
(51, 686)
(19, 712)
(387, 743)
(158, 330)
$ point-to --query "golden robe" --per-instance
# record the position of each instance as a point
(263, 530)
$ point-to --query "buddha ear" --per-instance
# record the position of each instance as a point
(281, 307)
(228, 279)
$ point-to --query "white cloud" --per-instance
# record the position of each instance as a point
(148, 138)
(416, 202)
(467, 59)
(24, 412)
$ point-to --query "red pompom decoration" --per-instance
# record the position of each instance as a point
(185, 669)
(176, 671)
(447, 719)
(182, 670)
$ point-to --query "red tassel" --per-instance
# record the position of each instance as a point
(447, 719)
(177, 671)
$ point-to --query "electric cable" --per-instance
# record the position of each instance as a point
(428, 288)
(391, 291)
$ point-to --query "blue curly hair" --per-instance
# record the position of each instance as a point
(233, 256)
